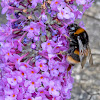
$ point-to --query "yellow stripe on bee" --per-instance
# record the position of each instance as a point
(76, 52)
(80, 30)
(71, 60)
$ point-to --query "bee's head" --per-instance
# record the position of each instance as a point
(72, 27)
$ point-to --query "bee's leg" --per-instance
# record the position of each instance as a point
(70, 39)
(71, 50)
(63, 52)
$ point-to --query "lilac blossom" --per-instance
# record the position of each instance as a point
(34, 2)
(32, 66)
(55, 4)
(32, 30)
(82, 2)
(44, 17)
(33, 45)
(65, 13)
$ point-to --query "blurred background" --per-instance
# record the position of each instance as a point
(87, 80)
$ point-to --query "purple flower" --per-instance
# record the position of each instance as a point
(52, 89)
(32, 85)
(48, 46)
(54, 72)
(28, 96)
(38, 98)
(11, 94)
(34, 2)
(41, 25)
(64, 13)
(18, 44)
(5, 32)
(5, 6)
(42, 92)
(44, 79)
(44, 17)
(41, 63)
(55, 4)
(32, 72)
(87, 5)
(14, 80)
(32, 30)
(33, 46)
(20, 95)
(82, 2)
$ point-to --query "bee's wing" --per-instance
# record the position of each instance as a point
(82, 56)
(90, 56)
(83, 62)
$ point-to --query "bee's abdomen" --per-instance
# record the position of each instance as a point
(73, 57)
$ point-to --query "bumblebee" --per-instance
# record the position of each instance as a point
(79, 49)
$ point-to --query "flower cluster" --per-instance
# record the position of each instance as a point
(31, 65)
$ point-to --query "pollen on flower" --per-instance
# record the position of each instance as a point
(22, 73)
(32, 83)
(25, 65)
(57, 47)
(40, 65)
(29, 99)
(25, 10)
(32, 72)
(17, 59)
(31, 28)
(13, 95)
(30, 17)
(41, 77)
(56, 2)
(62, 13)
(52, 89)
(8, 54)
(48, 43)
(14, 79)
(41, 92)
